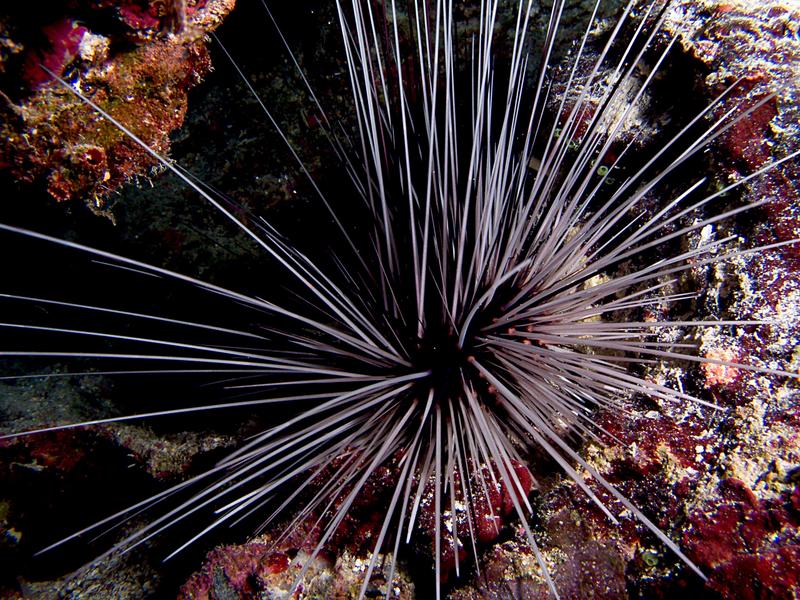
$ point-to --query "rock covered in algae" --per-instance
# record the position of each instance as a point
(265, 569)
(138, 59)
(83, 473)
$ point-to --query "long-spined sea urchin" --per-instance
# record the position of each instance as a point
(476, 301)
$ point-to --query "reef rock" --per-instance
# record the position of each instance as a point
(137, 59)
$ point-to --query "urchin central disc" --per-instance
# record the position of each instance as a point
(440, 353)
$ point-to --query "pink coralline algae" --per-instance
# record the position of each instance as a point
(237, 569)
(61, 48)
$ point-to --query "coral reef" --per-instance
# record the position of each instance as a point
(127, 62)
(722, 482)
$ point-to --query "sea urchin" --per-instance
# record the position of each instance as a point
(479, 293)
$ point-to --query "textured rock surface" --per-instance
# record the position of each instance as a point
(83, 473)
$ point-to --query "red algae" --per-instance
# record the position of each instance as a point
(492, 511)
(60, 451)
(749, 548)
